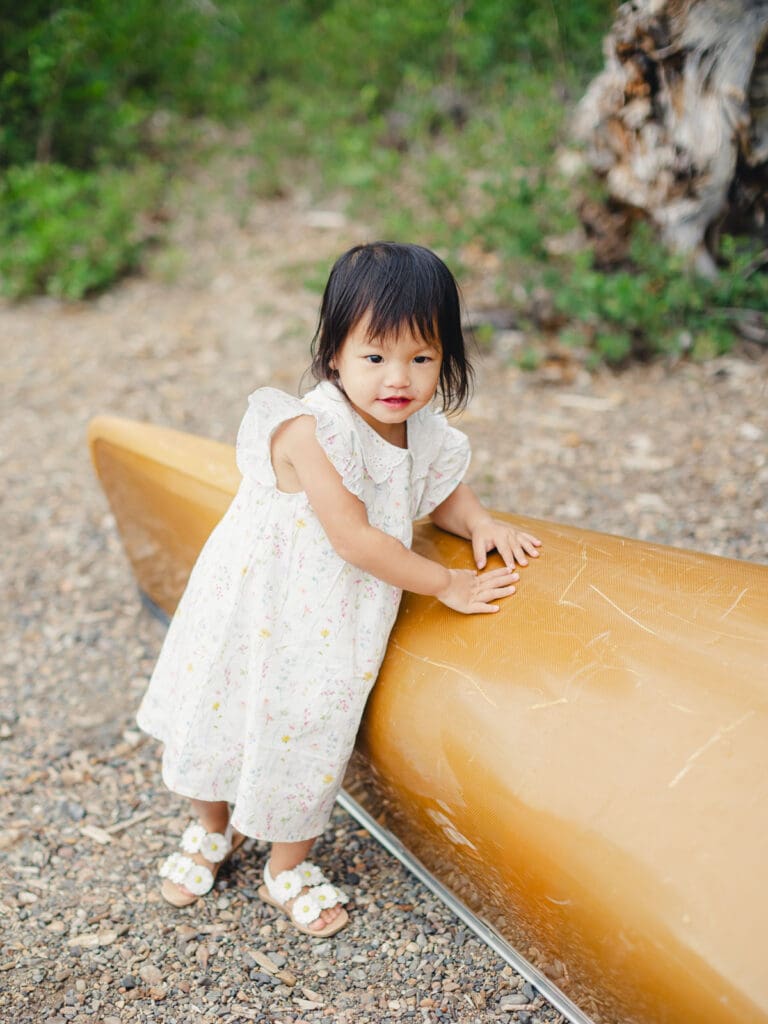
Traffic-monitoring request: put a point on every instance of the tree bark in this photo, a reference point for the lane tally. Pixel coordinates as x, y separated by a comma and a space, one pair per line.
677, 122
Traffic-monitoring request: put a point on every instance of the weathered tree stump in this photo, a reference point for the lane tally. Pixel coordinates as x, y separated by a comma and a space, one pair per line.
677, 122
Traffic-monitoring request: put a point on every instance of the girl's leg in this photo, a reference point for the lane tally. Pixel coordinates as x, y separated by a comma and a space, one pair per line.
213, 815
283, 857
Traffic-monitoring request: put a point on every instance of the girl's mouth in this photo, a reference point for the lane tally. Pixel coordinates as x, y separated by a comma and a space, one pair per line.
395, 403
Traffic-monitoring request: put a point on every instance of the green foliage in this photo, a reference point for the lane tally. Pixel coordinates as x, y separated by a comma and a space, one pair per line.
658, 306
89, 90
440, 120
70, 232
80, 81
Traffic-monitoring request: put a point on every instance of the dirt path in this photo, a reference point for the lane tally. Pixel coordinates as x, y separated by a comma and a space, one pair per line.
671, 455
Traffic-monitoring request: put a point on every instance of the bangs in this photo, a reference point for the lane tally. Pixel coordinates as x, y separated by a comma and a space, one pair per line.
384, 336
408, 293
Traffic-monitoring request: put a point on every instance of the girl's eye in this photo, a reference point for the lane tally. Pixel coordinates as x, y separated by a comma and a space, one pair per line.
423, 359
374, 358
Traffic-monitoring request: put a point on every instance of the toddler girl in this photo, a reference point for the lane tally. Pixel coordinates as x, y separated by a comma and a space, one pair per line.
259, 688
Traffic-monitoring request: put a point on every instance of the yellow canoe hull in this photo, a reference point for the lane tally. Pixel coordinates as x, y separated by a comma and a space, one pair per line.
587, 770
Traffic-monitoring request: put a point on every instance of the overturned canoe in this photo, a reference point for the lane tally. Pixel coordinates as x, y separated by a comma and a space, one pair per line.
586, 770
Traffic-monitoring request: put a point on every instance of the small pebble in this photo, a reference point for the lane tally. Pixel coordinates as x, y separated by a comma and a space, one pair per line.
514, 999
150, 974
262, 978
74, 810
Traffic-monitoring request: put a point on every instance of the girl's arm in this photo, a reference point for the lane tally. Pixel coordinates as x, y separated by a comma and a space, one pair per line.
299, 459
461, 513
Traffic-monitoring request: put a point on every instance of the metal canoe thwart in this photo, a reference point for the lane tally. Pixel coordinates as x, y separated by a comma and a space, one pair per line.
583, 776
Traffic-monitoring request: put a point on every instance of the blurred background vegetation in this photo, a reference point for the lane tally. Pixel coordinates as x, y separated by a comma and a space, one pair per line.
440, 121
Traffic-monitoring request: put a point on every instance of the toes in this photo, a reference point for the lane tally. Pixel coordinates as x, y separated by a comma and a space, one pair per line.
326, 917
320, 922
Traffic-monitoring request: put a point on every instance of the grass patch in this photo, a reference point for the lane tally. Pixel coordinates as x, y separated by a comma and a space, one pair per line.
69, 232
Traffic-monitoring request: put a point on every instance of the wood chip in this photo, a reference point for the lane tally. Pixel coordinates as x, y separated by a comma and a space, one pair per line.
120, 826
591, 403
265, 962
213, 929
99, 835
93, 940
307, 1004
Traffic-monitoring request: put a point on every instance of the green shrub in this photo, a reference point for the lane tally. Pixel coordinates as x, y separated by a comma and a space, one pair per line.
70, 232
659, 306
440, 121
79, 81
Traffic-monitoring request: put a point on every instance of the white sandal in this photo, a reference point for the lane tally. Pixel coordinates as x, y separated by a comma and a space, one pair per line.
309, 893
178, 870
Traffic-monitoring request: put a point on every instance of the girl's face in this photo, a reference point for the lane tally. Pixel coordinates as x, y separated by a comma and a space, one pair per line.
388, 379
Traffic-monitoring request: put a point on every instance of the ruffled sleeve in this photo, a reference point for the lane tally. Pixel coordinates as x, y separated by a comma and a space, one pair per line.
444, 461
267, 409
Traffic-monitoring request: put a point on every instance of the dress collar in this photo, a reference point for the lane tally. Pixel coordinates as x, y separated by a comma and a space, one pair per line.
379, 455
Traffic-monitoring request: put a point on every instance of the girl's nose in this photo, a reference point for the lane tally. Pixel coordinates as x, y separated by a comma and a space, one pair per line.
398, 375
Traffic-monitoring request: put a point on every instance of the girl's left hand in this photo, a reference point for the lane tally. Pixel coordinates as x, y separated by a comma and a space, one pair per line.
511, 544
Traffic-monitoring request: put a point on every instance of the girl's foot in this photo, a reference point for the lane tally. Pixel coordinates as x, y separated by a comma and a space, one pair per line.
308, 898
191, 873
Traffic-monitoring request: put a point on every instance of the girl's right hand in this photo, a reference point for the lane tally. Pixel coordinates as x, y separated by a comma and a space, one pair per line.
471, 592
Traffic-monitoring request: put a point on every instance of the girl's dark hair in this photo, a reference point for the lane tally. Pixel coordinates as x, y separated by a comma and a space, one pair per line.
397, 284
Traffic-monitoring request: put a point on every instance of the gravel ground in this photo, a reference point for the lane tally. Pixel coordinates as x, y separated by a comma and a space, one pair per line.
675, 454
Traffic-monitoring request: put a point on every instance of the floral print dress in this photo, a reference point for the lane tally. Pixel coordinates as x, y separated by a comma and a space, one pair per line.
263, 677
